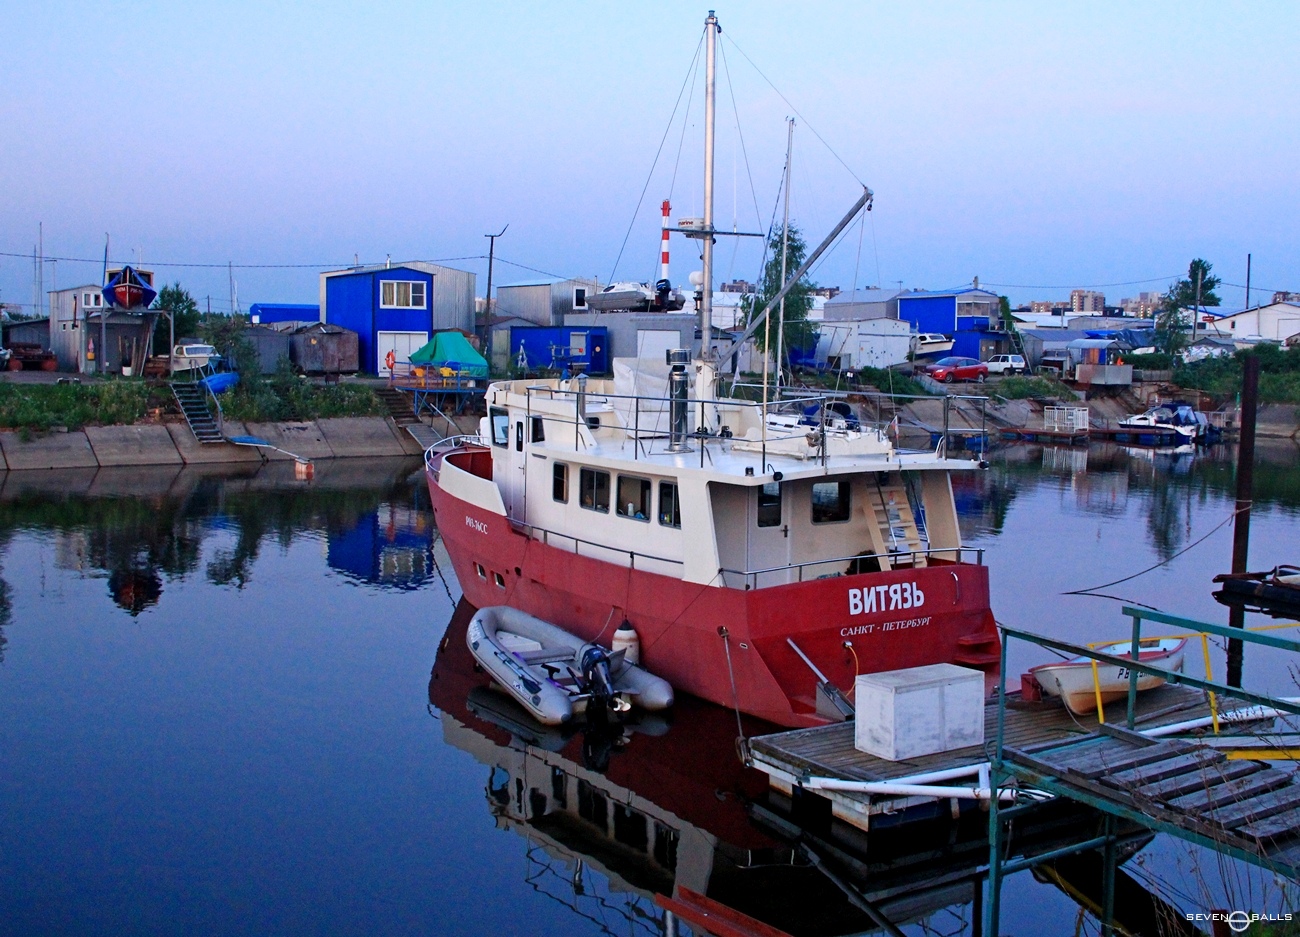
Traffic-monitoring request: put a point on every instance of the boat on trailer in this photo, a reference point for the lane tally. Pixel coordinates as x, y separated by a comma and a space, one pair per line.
763, 558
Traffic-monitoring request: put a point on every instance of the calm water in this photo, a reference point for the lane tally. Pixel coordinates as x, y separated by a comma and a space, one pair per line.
225, 710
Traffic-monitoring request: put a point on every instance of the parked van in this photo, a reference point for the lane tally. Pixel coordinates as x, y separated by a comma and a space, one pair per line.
1007, 364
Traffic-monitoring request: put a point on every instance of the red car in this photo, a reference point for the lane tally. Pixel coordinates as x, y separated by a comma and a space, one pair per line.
957, 369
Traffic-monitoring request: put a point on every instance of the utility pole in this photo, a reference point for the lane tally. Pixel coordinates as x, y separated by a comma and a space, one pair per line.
487, 302
785, 250
1247, 281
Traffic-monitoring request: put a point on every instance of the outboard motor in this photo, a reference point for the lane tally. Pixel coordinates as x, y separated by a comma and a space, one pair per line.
663, 292
595, 662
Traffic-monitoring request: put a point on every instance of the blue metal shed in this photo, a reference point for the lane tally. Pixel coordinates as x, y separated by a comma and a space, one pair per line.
967, 315
283, 312
560, 347
397, 307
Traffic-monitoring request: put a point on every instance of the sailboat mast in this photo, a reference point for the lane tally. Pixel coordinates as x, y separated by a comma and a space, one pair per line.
785, 251
710, 96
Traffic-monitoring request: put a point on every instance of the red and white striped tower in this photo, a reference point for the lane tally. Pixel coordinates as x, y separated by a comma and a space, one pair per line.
663, 257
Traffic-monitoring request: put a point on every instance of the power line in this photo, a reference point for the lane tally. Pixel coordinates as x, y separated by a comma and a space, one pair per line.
317, 266
1083, 286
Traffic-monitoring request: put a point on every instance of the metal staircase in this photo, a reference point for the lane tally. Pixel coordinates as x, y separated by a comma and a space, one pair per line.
400, 407
193, 400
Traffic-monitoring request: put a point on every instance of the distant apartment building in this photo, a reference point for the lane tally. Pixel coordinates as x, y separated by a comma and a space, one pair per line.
1087, 301
1144, 306
1049, 307
826, 292
1281, 296
737, 286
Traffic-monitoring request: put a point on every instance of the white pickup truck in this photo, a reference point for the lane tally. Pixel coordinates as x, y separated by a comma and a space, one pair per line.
1007, 364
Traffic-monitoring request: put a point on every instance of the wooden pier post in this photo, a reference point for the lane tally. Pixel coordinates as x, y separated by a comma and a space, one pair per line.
1245, 494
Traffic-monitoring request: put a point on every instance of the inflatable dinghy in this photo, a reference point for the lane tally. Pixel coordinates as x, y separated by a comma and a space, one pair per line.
555, 675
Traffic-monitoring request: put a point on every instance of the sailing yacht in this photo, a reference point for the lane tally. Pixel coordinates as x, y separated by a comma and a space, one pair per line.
762, 552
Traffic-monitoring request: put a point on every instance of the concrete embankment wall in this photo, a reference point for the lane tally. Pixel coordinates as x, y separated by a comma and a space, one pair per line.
173, 444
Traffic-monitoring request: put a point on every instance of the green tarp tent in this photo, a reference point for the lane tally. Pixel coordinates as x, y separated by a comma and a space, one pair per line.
452, 350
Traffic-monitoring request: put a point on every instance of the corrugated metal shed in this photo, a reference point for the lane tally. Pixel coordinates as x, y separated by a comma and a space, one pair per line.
860, 305
544, 302
271, 346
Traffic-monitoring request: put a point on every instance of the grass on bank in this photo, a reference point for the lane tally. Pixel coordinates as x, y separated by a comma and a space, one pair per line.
41, 407
286, 396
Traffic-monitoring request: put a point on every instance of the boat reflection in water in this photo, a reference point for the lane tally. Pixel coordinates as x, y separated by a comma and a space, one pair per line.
678, 828
390, 546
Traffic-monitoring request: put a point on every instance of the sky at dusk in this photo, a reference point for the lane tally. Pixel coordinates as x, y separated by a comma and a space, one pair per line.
1036, 146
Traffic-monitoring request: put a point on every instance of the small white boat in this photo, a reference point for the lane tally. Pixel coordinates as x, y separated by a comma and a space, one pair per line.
555, 675
929, 344
1073, 682
638, 297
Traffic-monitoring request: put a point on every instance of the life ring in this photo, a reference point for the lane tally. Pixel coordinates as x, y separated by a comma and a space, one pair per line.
390, 360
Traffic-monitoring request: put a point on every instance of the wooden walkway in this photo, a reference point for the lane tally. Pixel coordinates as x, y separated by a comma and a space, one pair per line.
1242, 804
828, 751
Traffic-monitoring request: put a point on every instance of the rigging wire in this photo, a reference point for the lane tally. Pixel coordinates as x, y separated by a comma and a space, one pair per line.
691, 71
1092, 590
857, 262
758, 215
830, 148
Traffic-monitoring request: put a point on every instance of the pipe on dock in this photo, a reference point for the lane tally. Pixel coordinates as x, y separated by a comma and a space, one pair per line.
893, 789
1247, 714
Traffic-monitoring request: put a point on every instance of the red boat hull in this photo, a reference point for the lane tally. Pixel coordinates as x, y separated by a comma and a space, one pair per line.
682, 624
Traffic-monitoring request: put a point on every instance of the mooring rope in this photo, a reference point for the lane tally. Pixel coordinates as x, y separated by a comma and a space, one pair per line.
742, 745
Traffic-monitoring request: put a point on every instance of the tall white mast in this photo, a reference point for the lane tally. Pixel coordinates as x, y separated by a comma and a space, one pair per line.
785, 250
710, 95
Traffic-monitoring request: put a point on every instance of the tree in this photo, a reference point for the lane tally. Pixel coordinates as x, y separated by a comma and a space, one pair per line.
177, 301
799, 331
1180, 297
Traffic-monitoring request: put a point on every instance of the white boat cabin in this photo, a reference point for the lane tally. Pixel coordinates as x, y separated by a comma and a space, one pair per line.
597, 469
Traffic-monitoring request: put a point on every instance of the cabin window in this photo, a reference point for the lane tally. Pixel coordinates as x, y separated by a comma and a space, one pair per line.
593, 490
538, 433
560, 482
482, 573
519, 436
499, 580
401, 294
769, 505
830, 502
670, 506
634, 497
559, 788
500, 427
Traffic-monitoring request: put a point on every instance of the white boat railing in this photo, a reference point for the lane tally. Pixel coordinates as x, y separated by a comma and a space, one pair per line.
900, 559
564, 540
448, 443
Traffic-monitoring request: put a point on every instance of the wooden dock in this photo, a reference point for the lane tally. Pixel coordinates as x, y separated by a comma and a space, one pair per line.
1027, 434
1241, 804
789, 758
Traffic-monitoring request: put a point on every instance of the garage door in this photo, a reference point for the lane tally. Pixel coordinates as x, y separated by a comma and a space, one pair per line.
401, 344
652, 343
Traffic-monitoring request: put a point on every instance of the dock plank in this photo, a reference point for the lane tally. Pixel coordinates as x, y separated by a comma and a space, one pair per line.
1276, 801
1190, 763
1215, 773
1221, 795
1136, 756
1280, 826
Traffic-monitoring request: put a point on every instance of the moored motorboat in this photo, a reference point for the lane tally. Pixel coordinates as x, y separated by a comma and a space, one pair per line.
1074, 683
764, 553
555, 675
1278, 588
930, 345
1177, 417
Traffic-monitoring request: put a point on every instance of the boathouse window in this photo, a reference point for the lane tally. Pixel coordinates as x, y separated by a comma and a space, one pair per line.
538, 431
579, 298
634, 497
593, 490
401, 294
769, 505
560, 482
500, 427
830, 502
670, 508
